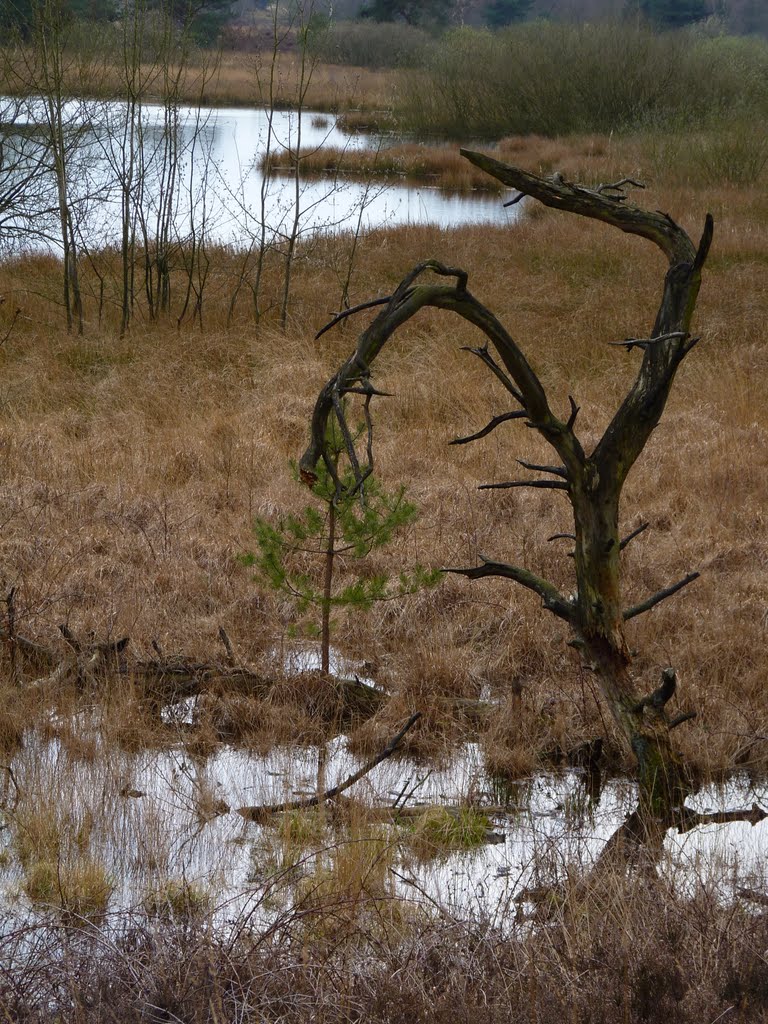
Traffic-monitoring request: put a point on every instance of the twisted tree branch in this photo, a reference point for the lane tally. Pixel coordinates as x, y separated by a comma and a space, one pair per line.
659, 596
550, 596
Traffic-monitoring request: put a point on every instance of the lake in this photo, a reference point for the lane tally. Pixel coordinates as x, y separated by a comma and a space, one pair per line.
197, 173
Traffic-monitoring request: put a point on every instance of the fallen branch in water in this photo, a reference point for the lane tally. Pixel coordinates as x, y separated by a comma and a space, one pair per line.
266, 810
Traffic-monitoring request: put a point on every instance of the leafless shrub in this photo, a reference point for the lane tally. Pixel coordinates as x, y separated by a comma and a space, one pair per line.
632, 953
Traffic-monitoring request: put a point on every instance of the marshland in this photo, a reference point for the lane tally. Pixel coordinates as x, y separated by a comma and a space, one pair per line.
186, 673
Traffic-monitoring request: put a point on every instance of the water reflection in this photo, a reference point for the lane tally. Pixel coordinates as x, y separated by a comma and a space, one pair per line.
200, 168
164, 814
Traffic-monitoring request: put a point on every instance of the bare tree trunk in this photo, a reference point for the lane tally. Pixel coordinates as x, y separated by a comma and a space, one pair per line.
128, 159
592, 482
302, 15
50, 53
269, 99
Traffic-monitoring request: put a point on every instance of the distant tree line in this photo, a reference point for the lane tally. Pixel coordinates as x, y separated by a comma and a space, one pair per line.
203, 18
208, 17
742, 16
17, 17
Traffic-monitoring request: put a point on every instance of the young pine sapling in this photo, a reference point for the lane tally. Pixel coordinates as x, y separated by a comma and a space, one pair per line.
300, 555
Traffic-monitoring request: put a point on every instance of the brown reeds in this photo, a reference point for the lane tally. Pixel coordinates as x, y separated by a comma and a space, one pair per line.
231, 79
434, 165
441, 165
359, 952
331, 88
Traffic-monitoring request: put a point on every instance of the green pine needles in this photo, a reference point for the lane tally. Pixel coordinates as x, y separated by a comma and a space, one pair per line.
300, 555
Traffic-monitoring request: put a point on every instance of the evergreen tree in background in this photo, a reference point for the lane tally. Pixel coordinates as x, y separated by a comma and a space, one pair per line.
202, 18
17, 17
93, 10
670, 13
504, 12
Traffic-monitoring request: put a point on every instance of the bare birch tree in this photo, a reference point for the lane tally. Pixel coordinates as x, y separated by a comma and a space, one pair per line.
47, 69
27, 199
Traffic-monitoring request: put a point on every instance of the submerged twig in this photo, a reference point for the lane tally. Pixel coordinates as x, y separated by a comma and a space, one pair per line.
266, 810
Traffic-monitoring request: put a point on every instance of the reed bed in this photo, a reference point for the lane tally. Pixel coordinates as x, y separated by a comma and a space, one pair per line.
227, 79
332, 87
732, 156
440, 166
627, 955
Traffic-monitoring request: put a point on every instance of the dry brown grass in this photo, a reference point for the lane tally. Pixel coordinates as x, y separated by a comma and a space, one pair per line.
330, 87
441, 164
131, 469
437, 165
235, 79
630, 953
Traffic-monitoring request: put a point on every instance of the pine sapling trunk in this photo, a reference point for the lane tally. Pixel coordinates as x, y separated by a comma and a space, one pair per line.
330, 554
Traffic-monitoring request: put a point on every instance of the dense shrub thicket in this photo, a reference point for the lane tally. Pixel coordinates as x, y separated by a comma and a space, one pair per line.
372, 44
556, 79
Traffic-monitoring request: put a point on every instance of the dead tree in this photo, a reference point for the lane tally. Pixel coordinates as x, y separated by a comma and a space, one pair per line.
592, 481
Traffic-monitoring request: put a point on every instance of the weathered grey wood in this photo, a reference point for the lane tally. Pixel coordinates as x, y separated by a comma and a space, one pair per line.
591, 481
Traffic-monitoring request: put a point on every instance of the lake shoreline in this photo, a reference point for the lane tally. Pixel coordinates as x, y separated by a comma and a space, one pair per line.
216, 155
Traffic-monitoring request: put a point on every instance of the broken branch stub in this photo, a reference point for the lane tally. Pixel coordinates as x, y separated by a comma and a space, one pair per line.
592, 482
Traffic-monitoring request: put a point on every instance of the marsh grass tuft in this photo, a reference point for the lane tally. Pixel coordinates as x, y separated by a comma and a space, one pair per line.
351, 888
178, 900
77, 889
440, 831
38, 834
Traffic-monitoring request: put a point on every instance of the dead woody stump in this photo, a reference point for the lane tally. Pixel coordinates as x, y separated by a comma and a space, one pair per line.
591, 481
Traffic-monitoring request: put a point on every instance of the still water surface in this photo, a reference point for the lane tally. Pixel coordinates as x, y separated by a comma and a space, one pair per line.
217, 191
165, 815
157, 815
